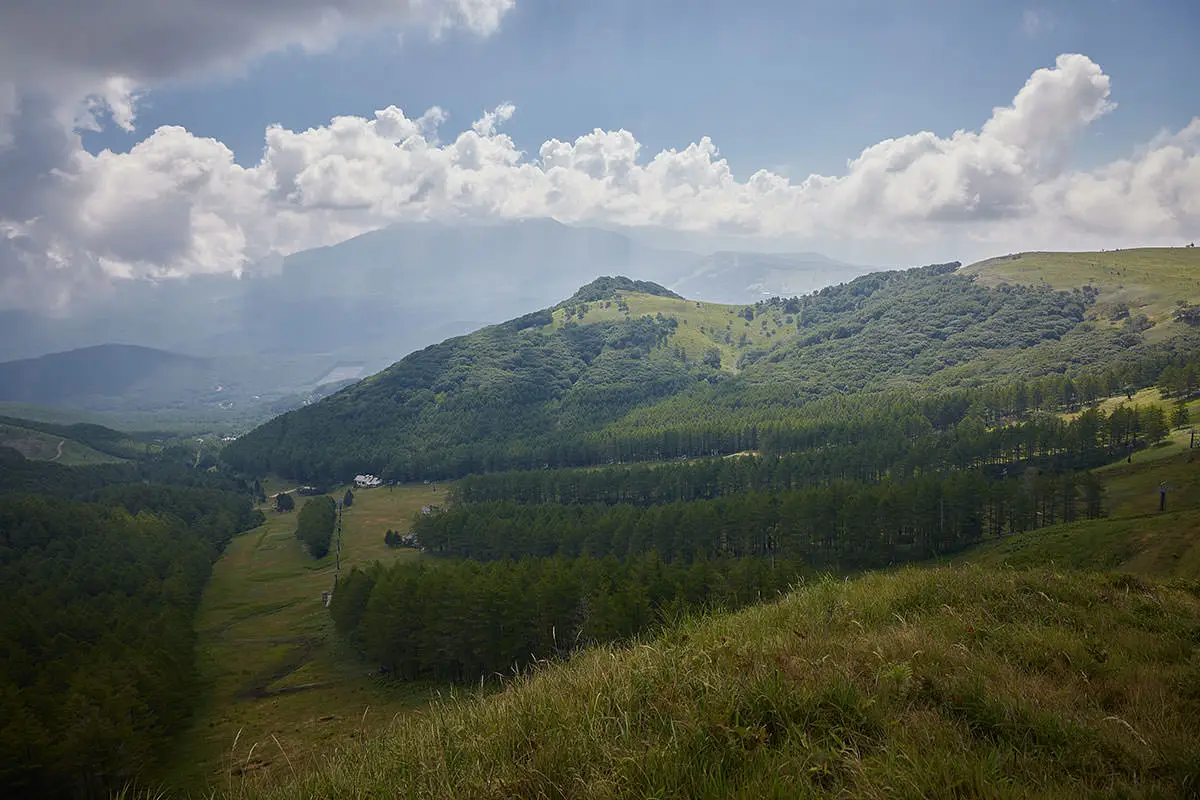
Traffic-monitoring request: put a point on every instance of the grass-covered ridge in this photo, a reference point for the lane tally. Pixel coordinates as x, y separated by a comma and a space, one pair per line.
942, 682
607, 288
1147, 280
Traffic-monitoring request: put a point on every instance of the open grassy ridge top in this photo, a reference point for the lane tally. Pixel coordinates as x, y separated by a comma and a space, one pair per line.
1148, 280
945, 682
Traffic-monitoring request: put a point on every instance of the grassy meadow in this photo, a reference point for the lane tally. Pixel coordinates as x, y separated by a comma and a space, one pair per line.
1148, 280
280, 690
1135, 537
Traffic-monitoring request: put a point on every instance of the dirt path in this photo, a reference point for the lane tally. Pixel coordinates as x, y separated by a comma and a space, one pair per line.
60, 447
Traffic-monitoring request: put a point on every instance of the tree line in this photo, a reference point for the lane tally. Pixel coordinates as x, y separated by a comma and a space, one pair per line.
899, 448
840, 524
463, 621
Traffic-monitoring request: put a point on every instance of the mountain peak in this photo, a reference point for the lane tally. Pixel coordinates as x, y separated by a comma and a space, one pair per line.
605, 287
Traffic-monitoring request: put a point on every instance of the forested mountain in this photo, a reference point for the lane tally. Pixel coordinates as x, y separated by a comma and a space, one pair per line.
619, 374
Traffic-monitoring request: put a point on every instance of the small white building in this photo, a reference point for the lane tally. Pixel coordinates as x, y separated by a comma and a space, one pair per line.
367, 481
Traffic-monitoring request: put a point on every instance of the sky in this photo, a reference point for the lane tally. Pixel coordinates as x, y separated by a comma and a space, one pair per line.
166, 138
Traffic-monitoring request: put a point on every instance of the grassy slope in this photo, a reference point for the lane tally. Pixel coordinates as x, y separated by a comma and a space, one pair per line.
1151, 396
262, 628
41, 446
1136, 537
944, 682
997, 676
1149, 280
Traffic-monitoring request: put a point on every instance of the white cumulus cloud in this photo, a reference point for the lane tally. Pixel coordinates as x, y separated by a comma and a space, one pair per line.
177, 204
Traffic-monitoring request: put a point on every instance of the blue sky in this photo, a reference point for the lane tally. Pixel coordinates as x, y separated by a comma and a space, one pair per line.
797, 87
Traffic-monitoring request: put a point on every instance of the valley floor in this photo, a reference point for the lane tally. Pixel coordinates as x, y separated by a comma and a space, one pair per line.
280, 689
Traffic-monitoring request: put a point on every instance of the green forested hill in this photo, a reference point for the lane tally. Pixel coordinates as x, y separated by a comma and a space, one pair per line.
613, 363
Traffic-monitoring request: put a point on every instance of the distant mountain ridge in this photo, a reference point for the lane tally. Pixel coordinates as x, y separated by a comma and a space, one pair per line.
108, 370
140, 385
366, 301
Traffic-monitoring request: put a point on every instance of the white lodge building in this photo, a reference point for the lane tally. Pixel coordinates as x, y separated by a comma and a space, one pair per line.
367, 481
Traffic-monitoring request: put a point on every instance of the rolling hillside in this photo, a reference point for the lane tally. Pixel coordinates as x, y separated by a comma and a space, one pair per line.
104, 444
1057, 662
1150, 280
525, 392
1135, 536
916, 414
949, 682
41, 446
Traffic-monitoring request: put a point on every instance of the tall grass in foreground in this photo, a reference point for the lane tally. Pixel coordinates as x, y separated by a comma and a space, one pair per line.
948, 682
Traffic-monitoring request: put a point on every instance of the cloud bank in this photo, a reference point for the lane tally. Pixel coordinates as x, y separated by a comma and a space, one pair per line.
71, 65
177, 204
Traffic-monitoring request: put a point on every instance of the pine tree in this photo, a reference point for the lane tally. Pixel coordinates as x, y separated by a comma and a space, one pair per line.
1154, 423
1180, 417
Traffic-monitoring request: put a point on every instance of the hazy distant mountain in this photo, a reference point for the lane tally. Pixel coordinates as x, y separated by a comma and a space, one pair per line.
374, 297
110, 370
739, 277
